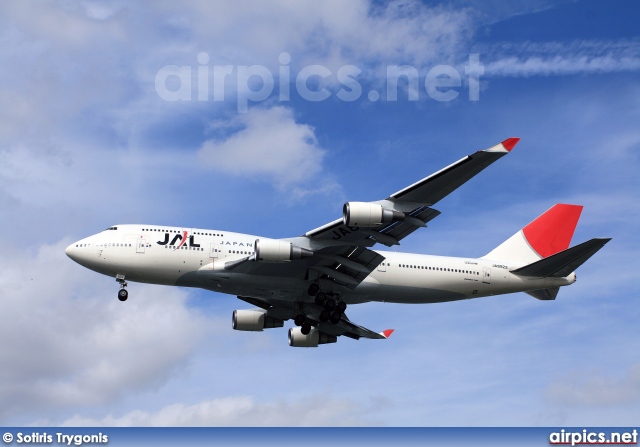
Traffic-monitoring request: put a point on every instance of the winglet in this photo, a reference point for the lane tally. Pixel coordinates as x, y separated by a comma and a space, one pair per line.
510, 143
504, 147
387, 333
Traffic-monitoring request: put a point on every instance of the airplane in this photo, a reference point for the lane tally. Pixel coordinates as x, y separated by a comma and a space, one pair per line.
311, 279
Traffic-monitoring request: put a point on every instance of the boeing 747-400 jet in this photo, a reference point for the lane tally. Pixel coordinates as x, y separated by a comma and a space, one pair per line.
312, 278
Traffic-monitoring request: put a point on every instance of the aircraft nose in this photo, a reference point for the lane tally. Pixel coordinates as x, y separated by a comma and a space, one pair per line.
70, 251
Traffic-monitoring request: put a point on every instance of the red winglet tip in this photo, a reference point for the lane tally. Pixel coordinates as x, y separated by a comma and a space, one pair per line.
387, 333
510, 143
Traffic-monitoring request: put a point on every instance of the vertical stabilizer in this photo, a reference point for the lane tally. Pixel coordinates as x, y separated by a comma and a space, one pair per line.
545, 236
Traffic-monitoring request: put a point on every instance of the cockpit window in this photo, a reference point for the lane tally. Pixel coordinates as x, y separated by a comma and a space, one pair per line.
111, 228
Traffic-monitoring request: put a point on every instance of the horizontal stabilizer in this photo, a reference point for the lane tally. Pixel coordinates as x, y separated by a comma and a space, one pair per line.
564, 263
544, 294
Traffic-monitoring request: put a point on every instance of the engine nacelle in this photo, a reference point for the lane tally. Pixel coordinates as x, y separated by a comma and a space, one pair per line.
254, 320
298, 340
272, 250
363, 214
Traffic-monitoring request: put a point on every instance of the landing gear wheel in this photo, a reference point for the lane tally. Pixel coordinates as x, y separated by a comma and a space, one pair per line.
341, 307
314, 288
305, 329
324, 316
299, 320
330, 304
320, 299
123, 294
335, 318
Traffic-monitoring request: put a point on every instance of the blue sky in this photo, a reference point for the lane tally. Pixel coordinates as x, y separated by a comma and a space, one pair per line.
87, 141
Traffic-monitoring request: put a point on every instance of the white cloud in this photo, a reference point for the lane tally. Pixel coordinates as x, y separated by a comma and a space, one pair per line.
594, 389
356, 32
78, 98
560, 58
269, 144
240, 411
68, 342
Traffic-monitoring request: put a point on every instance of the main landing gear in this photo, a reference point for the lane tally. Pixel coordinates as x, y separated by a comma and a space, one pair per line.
122, 293
314, 288
304, 323
334, 307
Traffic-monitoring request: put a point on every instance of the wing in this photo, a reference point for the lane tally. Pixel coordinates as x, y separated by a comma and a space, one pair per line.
340, 251
345, 265
285, 310
414, 201
340, 248
387, 234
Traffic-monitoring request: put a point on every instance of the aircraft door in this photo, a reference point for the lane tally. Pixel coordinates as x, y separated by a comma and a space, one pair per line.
140, 245
486, 275
382, 267
214, 250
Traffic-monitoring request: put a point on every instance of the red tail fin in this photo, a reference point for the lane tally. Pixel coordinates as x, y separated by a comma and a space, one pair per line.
552, 231
547, 235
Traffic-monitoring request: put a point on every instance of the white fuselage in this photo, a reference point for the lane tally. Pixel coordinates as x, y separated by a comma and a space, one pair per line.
192, 257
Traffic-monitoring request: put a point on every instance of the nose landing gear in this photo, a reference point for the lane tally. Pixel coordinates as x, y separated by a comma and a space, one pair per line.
123, 294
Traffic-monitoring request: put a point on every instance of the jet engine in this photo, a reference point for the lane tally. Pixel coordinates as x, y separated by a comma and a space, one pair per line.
298, 340
272, 250
363, 214
254, 320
